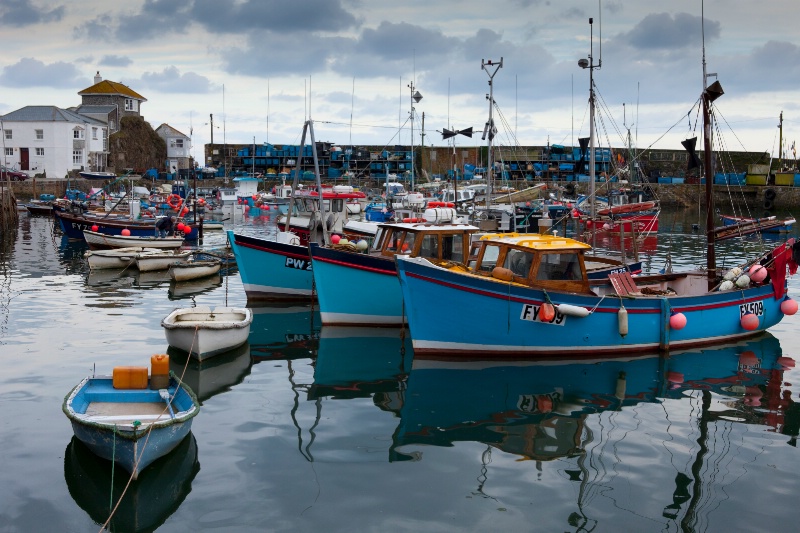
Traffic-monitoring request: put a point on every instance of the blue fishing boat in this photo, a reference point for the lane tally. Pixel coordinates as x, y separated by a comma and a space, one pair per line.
737, 226
547, 306
131, 426
73, 225
271, 269
337, 269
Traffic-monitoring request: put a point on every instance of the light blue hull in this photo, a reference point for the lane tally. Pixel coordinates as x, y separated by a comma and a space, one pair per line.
114, 437
271, 270
356, 289
483, 316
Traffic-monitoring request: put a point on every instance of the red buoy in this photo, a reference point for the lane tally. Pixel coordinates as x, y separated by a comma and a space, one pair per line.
749, 322
126, 232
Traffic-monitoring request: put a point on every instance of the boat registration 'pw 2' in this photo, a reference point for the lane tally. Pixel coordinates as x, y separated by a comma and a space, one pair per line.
300, 264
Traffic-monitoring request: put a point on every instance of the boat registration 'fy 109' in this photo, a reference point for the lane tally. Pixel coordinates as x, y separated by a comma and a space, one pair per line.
531, 312
756, 308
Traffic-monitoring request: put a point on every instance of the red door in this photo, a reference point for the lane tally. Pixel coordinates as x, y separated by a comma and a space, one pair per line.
24, 160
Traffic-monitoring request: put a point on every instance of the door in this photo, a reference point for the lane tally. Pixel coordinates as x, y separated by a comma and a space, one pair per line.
24, 159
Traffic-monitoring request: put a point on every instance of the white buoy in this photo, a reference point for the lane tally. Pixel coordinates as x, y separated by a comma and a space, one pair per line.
622, 316
726, 285
743, 281
572, 310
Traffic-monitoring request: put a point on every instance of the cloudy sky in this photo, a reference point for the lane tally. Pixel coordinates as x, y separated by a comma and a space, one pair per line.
260, 67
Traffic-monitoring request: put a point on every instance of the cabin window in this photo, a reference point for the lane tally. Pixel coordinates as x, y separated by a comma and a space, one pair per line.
453, 247
489, 260
559, 267
519, 262
429, 247
402, 242
337, 206
377, 242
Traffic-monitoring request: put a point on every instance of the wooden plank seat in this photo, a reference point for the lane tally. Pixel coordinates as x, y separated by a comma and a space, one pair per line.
623, 284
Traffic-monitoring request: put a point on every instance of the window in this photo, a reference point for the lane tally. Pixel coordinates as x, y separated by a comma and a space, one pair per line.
430, 247
489, 259
94, 133
559, 267
112, 125
453, 247
130, 104
9, 151
8, 134
519, 262
77, 133
77, 157
39, 135
178, 143
40, 152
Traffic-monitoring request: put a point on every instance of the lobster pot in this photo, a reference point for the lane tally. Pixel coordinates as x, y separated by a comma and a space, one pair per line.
135, 207
440, 214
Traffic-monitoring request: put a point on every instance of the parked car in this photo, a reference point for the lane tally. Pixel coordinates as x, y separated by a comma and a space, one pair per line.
11, 174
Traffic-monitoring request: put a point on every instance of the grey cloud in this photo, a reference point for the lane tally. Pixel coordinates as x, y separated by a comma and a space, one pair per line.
115, 61
275, 15
669, 32
170, 80
29, 72
26, 13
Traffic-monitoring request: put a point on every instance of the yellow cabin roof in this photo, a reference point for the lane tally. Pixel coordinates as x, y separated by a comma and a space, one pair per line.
537, 241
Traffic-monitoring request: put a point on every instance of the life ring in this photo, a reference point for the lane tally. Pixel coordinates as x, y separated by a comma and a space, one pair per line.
413, 220
768, 204
435, 204
769, 194
174, 201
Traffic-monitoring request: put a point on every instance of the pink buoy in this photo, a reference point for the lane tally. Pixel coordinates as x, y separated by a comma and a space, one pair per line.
749, 322
758, 273
677, 321
788, 306
335, 239
126, 232
95, 227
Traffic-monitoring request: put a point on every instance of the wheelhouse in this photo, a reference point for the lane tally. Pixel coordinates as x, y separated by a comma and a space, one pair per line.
449, 242
541, 261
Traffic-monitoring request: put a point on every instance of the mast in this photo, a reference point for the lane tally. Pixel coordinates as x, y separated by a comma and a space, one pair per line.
591, 65
415, 98
710, 93
489, 130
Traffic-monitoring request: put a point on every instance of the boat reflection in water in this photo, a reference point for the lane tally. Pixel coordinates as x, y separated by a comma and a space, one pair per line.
584, 414
182, 290
356, 362
537, 409
214, 375
283, 331
148, 501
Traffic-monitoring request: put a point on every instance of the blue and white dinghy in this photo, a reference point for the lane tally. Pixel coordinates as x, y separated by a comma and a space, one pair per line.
123, 420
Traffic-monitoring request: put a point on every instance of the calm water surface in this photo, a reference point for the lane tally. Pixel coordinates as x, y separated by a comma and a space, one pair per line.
341, 429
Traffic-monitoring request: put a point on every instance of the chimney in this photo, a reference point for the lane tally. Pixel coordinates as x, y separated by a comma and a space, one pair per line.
97, 78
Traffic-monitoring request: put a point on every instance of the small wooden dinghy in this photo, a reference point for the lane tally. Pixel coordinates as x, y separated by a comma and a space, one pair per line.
204, 332
114, 258
150, 260
123, 420
101, 241
187, 270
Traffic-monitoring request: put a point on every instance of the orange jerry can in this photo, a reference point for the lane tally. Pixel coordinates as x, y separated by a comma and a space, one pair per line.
159, 371
130, 377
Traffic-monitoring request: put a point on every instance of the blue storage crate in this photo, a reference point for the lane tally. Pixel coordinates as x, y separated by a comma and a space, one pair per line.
665, 180
677, 181
797, 180
737, 179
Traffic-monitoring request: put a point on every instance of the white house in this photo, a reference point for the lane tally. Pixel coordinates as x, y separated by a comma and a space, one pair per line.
39, 139
179, 148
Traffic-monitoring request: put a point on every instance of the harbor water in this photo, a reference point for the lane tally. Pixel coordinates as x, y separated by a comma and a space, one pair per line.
310, 428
